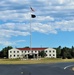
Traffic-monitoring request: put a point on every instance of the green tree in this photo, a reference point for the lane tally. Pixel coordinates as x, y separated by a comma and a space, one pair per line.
58, 51
27, 47
66, 53
72, 51
4, 51
42, 54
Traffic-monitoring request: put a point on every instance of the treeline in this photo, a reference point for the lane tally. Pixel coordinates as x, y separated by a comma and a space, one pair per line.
65, 52
4, 52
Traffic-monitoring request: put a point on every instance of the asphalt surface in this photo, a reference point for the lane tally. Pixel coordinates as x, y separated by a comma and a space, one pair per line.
37, 69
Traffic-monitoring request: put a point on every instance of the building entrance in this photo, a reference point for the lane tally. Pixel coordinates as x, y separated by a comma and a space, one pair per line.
30, 56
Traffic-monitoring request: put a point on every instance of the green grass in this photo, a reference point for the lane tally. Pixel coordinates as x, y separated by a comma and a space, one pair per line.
44, 60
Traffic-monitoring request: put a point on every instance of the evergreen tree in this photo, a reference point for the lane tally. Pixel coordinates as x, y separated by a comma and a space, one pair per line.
72, 51
58, 52
66, 53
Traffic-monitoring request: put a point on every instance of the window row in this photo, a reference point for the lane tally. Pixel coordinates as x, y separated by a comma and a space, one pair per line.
49, 51
50, 55
22, 51
14, 51
29, 51
14, 55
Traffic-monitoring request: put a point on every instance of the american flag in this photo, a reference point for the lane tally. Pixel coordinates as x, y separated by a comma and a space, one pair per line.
31, 9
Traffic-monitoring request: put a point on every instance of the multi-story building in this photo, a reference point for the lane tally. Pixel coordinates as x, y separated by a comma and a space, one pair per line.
31, 52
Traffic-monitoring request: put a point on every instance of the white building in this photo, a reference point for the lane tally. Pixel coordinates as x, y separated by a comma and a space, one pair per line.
31, 53
50, 53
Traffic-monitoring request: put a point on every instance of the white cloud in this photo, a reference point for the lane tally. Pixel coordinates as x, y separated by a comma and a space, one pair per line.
10, 33
61, 1
20, 41
13, 15
5, 43
45, 18
64, 1
51, 16
10, 43
46, 2
43, 28
65, 25
21, 29
13, 29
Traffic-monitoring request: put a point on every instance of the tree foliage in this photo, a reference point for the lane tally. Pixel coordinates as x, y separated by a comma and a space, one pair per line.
4, 52
65, 52
72, 51
58, 51
42, 54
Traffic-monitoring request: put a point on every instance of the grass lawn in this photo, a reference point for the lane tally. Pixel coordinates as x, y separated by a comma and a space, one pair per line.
34, 61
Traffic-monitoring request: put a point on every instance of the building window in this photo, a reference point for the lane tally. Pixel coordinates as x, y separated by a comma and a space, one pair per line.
10, 51
53, 51
17, 51
14, 55
14, 51
35, 51
10, 55
17, 55
25, 51
32, 51
46, 51
49, 51
46, 55
53, 54
49, 54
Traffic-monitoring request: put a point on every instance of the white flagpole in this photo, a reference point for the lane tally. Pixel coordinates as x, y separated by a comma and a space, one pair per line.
32, 10
30, 32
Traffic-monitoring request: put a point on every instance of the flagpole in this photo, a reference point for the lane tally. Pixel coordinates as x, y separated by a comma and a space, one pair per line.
31, 16
30, 33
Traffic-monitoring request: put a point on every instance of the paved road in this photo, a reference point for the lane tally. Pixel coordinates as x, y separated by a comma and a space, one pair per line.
37, 69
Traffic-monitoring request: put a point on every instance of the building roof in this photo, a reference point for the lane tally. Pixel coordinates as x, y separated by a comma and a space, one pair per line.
40, 49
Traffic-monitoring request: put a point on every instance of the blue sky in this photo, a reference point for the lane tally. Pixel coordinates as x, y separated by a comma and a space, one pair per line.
52, 27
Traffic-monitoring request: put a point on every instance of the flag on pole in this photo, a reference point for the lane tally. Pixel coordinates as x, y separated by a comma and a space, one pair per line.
33, 16
32, 9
